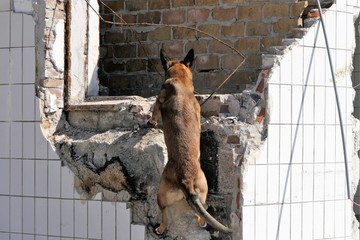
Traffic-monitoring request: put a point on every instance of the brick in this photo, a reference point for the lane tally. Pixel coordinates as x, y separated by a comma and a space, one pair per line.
224, 14
136, 5
148, 50
159, 4
236, 29
114, 37
218, 47
135, 65
132, 36
154, 65
258, 29
230, 61
114, 5
234, 1
199, 46
253, 61
125, 51
182, 3
174, 48
128, 18
285, 25
174, 16
250, 12
110, 66
206, 2
159, 34
276, 10
248, 44
267, 42
213, 29
149, 17
197, 15
298, 8
206, 62
183, 33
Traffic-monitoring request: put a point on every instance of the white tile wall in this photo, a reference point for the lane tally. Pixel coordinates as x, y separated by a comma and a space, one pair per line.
305, 176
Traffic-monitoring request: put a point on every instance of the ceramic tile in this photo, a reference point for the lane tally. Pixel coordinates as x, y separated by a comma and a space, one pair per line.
297, 144
297, 105
41, 147
16, 30
308, 182
274, 98
296, 183
5, 5
339, 218
67, 186
295, 221
319, 178
329, 181
272, 221
319, 105
5, 29
41, 178
285, 144
80, 212
29, 67
274, 143
330, 146
28, 140
318, 220
16, 103
16, 236
28, 177
15, 214
108, 221
4, 65
5, 176
54, 213
329, 219
249, 222
261, 184
249, 182
308, 108
28, 30
285, 104
308, 143
297, 65
41, 215
28, 237
309, 66
28, 219
137, 232
340, 181
285, 69
4, 213
284, 183
16, 177
319, 68
273, 184
307, 220
28, 103
5, 100
67, 218
94, 219
260, 222
122, 221
4, 140
54, 180
284, 224
16, 64
16, 144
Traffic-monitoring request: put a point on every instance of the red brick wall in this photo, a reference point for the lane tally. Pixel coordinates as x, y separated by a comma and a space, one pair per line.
130, 63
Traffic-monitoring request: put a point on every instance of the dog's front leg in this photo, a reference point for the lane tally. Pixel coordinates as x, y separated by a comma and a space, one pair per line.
156, 112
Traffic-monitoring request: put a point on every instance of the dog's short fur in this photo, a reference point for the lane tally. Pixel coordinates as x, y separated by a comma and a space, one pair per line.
180, 113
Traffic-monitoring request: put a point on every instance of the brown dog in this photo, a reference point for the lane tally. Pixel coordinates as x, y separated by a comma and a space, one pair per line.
180, 113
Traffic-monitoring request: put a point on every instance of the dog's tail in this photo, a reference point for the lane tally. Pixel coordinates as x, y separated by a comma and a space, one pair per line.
196, 205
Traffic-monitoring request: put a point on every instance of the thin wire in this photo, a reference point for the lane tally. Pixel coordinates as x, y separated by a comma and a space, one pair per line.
337, 104
124, 23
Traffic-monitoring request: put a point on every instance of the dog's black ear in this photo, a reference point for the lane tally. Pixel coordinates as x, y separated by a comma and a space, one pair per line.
164, 60
188, 60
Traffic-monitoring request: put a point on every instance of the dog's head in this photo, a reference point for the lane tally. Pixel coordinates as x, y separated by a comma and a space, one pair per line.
176, 68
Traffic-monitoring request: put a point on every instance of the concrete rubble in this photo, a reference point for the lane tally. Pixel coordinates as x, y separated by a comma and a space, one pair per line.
124, 161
